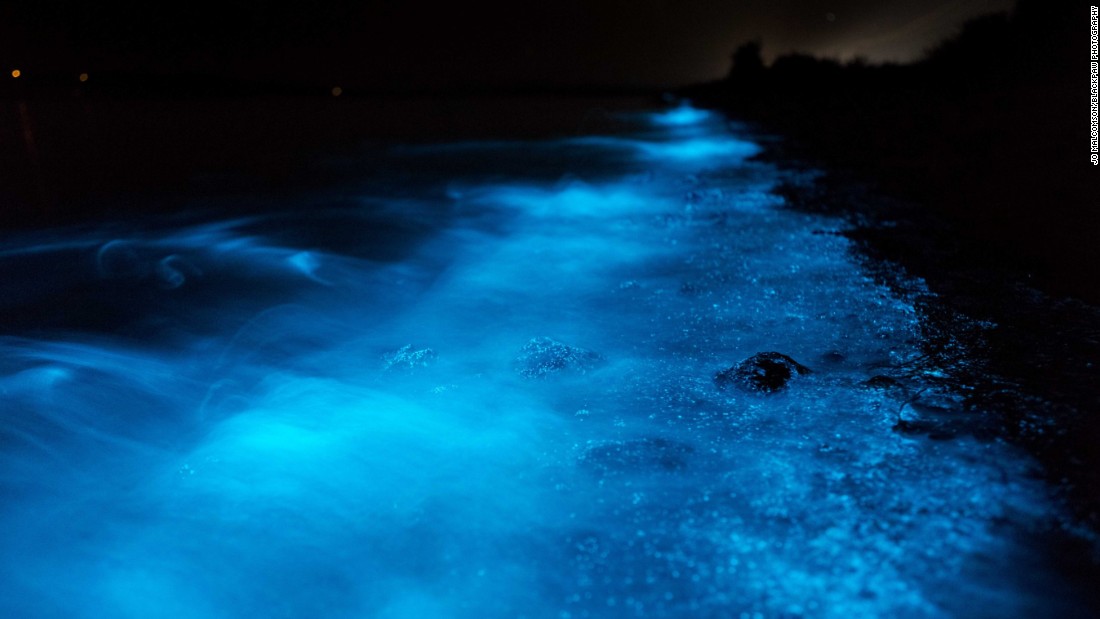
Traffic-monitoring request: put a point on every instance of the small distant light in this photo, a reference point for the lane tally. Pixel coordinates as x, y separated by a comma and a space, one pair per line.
83, 77
337, 91
16, 73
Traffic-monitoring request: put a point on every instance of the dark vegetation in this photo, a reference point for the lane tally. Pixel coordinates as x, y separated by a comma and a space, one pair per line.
968, 169
990, 131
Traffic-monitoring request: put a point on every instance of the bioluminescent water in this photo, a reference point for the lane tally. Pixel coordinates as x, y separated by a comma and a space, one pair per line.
484, 386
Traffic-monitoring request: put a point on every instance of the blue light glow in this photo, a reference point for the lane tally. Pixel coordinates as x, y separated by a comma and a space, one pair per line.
682, 115
248, 419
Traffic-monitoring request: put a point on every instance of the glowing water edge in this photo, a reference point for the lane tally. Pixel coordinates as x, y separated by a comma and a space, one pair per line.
487, 389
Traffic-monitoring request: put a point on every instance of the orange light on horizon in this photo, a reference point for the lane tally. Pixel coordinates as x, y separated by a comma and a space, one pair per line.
337, 91
83, 77
16, 73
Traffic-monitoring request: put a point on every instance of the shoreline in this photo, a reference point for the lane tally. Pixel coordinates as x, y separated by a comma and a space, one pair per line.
1022, 360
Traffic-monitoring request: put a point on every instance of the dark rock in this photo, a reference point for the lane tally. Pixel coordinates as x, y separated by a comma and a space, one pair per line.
764, 372
646, 454
833, 356
936, 431
543, 355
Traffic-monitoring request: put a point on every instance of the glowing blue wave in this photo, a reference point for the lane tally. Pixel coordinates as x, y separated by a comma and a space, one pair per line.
336, 414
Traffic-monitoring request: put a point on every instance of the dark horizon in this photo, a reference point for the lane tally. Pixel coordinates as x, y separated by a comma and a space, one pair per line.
421, 47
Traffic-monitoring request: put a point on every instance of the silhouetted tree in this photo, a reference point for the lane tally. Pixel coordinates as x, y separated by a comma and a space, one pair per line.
979, 46
747, 60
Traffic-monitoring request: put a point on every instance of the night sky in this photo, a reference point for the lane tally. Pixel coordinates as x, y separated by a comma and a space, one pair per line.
416, 44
